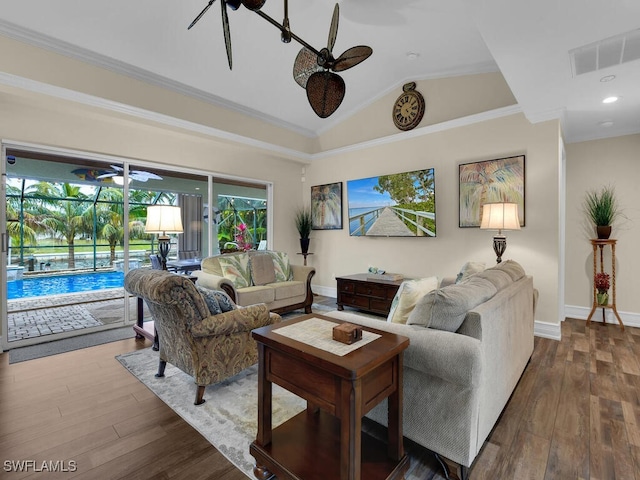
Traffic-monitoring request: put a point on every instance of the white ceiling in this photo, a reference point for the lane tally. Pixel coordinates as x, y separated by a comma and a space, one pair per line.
528, 41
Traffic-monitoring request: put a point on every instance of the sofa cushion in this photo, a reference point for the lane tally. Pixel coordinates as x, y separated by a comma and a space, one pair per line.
468, 269
284, 290
282, 266
262, 269
408, 294
236, 269
211, 300
255, 294
446, 308
499, 278
514, 269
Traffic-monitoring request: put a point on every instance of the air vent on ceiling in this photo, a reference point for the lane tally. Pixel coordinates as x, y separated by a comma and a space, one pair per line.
611, 51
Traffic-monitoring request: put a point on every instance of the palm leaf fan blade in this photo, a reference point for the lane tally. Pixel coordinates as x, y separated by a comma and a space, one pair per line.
325, 92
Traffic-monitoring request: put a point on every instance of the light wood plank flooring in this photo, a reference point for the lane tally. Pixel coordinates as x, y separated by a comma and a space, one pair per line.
574, 415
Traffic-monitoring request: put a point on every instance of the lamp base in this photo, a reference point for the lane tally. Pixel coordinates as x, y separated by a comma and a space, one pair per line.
499, 246
164, 245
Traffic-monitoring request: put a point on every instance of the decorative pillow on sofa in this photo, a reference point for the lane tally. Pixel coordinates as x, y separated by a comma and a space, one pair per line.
446, 308
514, 269
262, 269
210, 299
407, 296
468, 269
499, 278
224, 300
284, 273
236, 269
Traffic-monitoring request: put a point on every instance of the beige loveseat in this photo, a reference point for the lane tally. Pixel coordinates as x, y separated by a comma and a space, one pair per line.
259, 277
458, 379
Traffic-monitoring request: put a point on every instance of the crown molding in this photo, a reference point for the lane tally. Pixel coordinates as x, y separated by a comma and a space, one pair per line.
75, 52
422, 131
289, 153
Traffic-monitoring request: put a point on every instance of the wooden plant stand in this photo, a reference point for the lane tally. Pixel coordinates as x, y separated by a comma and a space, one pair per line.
597, 243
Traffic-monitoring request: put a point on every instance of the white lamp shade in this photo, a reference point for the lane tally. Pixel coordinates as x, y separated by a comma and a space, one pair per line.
163, 219
500, 216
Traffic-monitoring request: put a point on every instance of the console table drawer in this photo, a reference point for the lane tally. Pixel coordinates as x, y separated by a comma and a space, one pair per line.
370, 290
347, 287
356, 301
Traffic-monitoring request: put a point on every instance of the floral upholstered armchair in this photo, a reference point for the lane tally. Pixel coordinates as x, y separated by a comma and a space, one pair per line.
209, 347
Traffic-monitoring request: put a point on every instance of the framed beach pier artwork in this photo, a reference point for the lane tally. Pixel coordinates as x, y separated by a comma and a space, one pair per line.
326, 206
489, 181
397, 205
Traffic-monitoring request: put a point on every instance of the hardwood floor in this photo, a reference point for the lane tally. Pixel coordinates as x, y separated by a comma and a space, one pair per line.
574, 415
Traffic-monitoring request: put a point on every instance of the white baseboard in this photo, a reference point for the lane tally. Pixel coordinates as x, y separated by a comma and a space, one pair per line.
629, 319
540, 329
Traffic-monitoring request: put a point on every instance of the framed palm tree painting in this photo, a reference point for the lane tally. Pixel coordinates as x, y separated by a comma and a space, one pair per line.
326, 206
500, 180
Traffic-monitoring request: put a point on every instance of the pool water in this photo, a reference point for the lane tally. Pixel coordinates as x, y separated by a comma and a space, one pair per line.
58, 284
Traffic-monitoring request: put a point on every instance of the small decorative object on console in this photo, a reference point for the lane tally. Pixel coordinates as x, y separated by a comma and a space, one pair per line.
347, 333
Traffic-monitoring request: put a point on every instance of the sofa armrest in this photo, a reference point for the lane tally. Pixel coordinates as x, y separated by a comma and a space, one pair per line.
242, 319
302, 273
215, 282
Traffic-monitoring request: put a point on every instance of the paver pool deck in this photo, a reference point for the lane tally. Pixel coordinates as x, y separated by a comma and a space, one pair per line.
40, 316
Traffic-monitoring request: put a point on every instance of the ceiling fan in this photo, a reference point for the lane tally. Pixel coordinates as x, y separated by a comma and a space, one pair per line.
313, 69
117, 175
234, 4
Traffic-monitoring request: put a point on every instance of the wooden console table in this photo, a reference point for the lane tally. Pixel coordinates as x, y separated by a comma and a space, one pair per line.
326, 441
373, 296
597, 243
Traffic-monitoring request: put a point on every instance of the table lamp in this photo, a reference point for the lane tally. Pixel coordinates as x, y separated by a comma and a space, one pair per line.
163, 220
500, 216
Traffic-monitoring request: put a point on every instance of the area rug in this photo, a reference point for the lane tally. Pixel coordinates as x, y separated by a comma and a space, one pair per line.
228, 418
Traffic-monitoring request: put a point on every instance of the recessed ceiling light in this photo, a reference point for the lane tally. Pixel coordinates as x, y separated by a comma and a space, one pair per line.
608, 78
606, 123
610, 100
412, 55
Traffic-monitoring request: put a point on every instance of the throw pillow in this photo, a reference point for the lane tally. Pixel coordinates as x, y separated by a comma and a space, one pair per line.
281, 264
499, 278
210, 299
468, 269
262, 269
236, 269
446, 308
407, 296
514, 269
224, 300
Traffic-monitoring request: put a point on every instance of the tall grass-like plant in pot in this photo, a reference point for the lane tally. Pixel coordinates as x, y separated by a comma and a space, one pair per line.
602, 209
304, 224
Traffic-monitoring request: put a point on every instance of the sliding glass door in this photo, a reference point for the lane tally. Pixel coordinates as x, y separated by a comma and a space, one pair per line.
75, 223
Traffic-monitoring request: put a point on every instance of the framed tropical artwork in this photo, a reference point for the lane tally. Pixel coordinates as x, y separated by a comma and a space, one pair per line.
500, 180
326, 206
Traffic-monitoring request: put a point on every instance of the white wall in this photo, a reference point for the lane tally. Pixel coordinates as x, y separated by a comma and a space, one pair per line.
535, 246
590, 166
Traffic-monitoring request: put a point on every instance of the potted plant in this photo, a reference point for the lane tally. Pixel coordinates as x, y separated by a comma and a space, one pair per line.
304, 225
602, 209
601, 283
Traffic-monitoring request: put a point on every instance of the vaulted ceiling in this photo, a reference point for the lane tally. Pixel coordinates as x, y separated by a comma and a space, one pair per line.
530, 43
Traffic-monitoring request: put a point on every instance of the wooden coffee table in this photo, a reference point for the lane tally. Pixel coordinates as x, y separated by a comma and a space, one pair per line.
326, 440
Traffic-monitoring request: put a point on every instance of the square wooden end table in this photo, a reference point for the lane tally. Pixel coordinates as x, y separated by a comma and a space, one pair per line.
326, 440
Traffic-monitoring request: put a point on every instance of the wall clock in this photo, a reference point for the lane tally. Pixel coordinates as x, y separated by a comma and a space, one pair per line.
408, 108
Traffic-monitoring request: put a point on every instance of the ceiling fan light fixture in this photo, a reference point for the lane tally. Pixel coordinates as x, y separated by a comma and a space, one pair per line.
412, 56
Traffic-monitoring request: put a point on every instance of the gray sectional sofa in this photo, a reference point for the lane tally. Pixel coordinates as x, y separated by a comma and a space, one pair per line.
470, 343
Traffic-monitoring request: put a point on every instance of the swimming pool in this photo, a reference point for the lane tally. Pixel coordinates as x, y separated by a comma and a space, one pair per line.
40, 286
